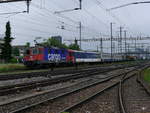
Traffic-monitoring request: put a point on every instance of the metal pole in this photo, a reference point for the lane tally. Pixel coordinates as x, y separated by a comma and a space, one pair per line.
135, 45
80, 4
101, 45
111, 38
125, 36
97, 48
121, 40
28, 3
80, 31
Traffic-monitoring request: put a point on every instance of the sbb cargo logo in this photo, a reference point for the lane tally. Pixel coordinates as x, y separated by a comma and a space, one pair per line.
54, 57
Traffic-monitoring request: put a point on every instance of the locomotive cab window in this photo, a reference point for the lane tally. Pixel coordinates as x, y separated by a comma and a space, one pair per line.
40, 51
34, 51
27, 52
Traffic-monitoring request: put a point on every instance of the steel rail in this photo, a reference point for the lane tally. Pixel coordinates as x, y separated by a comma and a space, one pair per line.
26, 86
52, 73
121, 101
94, 95
23, 108
61, 95
87, 99
98, 93
120, 91
142, 83
67, 93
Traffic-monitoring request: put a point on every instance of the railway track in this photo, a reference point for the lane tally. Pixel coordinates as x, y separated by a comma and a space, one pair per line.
27, 103
13, 88
19, 105
76, 107
56, 72
134, 98
9, 89
44, 73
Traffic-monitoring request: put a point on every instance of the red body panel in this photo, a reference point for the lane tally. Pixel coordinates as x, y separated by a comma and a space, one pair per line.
36, 57
70, 57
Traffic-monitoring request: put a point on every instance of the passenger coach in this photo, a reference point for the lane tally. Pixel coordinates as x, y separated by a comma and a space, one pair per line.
86, 57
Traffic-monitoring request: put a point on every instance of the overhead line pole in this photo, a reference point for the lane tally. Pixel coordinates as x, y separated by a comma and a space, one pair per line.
80, 25
101, 45
120, 39
80, 32
111, 35
125, 36
80, 4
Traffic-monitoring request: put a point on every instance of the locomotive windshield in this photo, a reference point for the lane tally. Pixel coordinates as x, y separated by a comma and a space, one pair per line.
27, 52
35, 51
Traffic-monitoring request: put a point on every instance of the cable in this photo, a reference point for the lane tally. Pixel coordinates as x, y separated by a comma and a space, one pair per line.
133, 3
62, 16
110, 13
32, 21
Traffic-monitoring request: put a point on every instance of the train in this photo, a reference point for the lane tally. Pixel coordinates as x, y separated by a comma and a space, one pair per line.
56, 56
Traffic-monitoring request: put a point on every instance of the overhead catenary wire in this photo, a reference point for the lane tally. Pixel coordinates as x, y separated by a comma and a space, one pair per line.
62, 16
114, 16
86, 11
94, 17
34, 21
43, 16
35, 29
128, 4
47, 15
108, 12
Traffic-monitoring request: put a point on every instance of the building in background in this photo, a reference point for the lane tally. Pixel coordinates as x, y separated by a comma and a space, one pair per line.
59, 38
21, 49
1, 42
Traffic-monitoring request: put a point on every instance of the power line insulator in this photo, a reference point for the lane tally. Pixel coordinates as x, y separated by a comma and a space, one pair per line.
62, 27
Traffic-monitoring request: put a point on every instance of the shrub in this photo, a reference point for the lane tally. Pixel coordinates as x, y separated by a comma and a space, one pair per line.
11, 67
13, 60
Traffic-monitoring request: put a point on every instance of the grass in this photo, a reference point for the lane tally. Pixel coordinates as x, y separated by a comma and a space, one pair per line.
20, 68
11, 67
147, 75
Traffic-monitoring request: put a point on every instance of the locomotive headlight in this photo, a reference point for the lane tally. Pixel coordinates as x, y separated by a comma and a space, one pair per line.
31, 57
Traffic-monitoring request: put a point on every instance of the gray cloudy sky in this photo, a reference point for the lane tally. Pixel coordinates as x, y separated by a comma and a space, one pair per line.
41, 21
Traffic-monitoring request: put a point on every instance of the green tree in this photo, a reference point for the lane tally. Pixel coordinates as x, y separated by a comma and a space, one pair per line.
28, 44
74, 46
56, 43
15, 52
53, 42
7, 48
